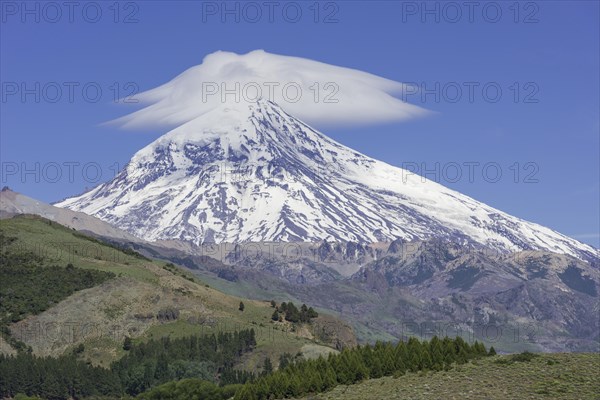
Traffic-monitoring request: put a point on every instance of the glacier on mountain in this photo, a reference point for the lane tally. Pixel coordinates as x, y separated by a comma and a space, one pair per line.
250, 172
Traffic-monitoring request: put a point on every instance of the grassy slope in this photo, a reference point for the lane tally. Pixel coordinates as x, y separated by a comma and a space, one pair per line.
344, 293
101, 316
550, 376
393, 317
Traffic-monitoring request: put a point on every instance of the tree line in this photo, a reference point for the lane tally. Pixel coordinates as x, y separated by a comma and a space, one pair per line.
202, 367
298, 377
209, 358
51, 378
363, 362
291, 313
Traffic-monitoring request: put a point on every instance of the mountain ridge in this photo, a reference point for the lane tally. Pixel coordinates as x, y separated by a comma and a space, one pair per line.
380, 286
250, 172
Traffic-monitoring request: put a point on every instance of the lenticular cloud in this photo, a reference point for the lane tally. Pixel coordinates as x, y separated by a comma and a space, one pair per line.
320, 94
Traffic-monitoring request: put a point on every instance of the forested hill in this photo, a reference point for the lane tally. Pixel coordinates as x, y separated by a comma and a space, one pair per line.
72, 304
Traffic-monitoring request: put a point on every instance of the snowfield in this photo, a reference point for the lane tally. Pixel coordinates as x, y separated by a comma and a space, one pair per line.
250, 172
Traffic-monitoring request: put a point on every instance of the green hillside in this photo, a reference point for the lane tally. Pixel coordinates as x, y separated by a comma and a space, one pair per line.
547, 376
65, 294
97, 319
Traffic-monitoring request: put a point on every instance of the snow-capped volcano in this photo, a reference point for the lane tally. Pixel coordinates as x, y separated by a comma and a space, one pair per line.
251, 172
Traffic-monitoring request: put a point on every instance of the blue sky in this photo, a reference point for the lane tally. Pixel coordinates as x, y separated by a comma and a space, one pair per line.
546, 52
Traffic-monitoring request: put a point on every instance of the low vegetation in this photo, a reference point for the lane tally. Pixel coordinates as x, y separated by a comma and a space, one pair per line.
190, 389
544, 376
30, 286
360, 363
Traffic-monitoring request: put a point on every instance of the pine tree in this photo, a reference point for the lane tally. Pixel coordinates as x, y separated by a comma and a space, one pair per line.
329, 378
247, 392
294, 388
161, 372
285, 359
401, 356
462, 356
343, 370
51, 387
448, 361
314, 381
414, 353
292, 314
376, 370
358, 369
262, 389
278, 385
267, 366
492, 351
437, 356
426, 362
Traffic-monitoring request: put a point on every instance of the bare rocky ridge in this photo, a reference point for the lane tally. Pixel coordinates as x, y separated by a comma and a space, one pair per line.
13, 203
531, 300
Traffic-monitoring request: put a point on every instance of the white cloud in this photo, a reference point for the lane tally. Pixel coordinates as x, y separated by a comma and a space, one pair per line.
320, 94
